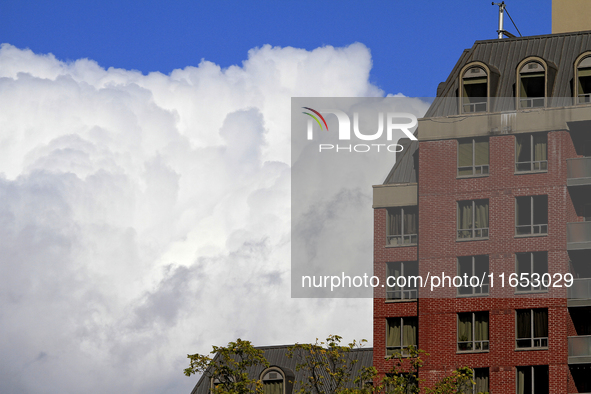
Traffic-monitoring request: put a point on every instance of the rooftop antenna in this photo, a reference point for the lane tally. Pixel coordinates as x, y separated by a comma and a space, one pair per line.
501, 31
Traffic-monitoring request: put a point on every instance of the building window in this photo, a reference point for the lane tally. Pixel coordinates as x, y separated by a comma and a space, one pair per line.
532, 271
473, 157
531, 215
473, 332
402, 280
470, 266
474, 90
480, 378
402, 226
473, 219
583, 81
531, 152
532, 328
532, 86
533, 380
401, 332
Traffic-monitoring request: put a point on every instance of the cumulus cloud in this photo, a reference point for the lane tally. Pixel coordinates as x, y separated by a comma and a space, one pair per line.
145, 217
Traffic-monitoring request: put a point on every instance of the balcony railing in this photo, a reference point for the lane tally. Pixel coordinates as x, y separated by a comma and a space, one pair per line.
580, 290
578, 171
578, 235
579, 349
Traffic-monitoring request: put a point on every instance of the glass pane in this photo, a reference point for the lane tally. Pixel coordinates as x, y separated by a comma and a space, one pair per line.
523, 148
464, 215
524, 325
465, 154
540, 209
480, 152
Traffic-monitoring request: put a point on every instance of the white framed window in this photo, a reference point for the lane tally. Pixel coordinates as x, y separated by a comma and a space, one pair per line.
531, 152
402, 226
531, 215
531, 328
473, 157
404, 288
401, 332
472, 219
473, 266
473, 332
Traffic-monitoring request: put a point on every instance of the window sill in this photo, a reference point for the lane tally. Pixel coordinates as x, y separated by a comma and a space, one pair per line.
530, 172
400, 246
471, 239
397, 301
472, 295
530, 235
472, 176
531, 292
471, 351
528, 349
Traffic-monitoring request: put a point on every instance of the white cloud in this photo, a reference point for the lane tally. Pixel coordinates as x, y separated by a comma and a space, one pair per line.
145, 217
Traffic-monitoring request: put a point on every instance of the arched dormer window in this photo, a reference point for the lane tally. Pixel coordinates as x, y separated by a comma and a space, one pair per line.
474, 88
531, 84
274, 382
583, 79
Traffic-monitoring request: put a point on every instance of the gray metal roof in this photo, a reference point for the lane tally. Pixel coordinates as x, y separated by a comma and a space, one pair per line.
503, 56
277, 356
405, 169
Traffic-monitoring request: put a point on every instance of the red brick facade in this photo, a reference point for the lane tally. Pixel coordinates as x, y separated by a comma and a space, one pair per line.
439, 190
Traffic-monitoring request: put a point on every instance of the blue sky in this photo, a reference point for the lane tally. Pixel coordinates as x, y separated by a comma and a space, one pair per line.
414, 44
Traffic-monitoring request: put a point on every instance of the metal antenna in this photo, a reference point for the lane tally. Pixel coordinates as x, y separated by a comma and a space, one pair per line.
502, 31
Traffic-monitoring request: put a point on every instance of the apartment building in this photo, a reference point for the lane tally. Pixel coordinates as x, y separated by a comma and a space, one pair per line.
498, 187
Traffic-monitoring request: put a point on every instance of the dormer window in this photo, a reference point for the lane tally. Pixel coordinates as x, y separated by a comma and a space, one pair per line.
474, 90
273, 381
532, 85
583, 81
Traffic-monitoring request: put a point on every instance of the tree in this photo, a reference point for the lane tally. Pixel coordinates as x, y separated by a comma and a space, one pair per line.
328, 367
228, 368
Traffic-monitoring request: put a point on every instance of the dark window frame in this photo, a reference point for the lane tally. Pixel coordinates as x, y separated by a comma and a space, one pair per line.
472, 232
521, 230
532, 164
394, 350
473, 346
407, 293
535, 342
402, 238
478, 291
480, 170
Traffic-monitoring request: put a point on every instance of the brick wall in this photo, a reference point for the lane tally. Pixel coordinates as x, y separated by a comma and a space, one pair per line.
439, 190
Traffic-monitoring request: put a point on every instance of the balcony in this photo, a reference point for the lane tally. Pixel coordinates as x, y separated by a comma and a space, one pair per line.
579, 294
579, 349
578, 171
578, 236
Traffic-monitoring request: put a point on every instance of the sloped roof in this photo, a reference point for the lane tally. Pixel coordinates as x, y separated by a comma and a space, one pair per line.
277, 356
559, 50
502, 56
